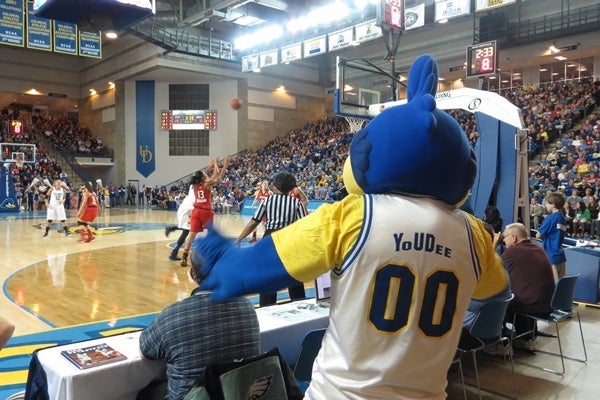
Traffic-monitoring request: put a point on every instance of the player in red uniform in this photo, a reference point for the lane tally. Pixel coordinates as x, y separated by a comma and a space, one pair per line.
202, 214
260, 195
88, 211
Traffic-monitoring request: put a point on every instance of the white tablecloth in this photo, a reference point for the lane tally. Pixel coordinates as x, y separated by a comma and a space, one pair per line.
281, 326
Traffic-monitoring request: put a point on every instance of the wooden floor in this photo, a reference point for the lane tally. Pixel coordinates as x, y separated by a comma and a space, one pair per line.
59, 282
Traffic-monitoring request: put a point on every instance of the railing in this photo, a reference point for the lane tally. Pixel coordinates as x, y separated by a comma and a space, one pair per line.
517, 33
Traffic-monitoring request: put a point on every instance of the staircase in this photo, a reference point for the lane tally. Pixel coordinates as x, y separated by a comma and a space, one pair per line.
74, 172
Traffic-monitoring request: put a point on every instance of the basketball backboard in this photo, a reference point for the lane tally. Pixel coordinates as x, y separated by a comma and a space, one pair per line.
359, 84
11, 152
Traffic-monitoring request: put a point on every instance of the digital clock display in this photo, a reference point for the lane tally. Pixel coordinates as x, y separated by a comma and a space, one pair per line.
481, 59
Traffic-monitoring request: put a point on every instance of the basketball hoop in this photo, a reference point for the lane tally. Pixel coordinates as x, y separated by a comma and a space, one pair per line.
355, 123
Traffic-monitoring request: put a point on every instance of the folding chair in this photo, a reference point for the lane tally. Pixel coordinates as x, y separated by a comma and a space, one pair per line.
489, 324
562, 309
311, 344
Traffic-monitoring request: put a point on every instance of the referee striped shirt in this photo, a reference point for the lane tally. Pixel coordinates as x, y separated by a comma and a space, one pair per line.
279, 210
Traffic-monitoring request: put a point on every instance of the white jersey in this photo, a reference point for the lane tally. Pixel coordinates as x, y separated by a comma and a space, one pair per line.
399, 298
184, 211
56, 206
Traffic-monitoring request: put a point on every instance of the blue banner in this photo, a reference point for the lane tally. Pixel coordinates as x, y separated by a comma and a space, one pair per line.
65, 38
90, 44
39, 31
145, 116
8, 200
12, 22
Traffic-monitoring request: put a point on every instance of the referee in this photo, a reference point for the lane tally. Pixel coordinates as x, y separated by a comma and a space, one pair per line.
279, 210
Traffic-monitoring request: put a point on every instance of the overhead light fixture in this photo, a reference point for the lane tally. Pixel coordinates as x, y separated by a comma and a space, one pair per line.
33, 92
111, 34
348, 88
553, 49
560, 58
256, 70
281, 89
111, 85
93, 92
443, 21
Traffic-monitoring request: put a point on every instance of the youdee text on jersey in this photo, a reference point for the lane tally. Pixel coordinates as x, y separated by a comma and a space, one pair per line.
421, 242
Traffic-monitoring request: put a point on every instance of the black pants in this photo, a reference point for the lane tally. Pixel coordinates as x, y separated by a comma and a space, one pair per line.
296, 292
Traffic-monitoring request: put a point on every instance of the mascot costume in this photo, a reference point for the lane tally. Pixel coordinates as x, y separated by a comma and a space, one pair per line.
404, 260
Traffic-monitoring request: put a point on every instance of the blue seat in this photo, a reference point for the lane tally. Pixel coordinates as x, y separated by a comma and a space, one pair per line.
487, 331
311, 344
562, 310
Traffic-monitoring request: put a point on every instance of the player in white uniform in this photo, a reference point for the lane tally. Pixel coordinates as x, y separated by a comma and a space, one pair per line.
184, 211
55, 206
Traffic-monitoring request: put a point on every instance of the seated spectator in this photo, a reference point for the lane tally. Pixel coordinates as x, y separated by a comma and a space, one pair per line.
195, 332
531, 280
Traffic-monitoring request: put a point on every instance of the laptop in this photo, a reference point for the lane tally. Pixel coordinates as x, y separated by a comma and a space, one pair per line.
323, 289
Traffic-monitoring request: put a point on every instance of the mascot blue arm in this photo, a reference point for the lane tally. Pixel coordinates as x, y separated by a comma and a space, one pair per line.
403, 150
234, 271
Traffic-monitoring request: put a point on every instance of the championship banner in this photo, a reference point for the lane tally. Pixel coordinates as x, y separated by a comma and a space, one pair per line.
90, 44
414, 17
12, 22
65, 37
250, 62
39, 31
144, 127
446, 9
485, 5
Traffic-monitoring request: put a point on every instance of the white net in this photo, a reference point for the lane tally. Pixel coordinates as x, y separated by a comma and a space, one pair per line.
355, 123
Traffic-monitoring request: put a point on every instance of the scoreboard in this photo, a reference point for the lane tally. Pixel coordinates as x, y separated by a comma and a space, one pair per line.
188, 120
482, 59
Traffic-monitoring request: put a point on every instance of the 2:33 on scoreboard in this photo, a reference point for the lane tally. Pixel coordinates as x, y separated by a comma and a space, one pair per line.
188, 120
482, 59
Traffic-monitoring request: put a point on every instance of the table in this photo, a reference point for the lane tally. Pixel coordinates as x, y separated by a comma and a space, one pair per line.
121, 380
284, 325
586, 262
281, 326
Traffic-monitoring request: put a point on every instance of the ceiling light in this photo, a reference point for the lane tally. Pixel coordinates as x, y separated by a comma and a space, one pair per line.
33, 92
111, 34
111, 85
560, 58
552, 49
256, 70
543, 69
280, 89
93, 92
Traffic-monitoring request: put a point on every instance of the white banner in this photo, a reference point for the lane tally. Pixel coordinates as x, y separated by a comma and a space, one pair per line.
291, 52
341, 39
316, 46
367, 31
269, 58
484, 5
446, 9
249, 62
414, 17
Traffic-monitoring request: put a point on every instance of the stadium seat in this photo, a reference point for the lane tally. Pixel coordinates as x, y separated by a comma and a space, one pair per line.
311, 344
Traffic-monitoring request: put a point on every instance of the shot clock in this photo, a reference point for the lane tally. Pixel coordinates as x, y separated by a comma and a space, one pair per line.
482, 59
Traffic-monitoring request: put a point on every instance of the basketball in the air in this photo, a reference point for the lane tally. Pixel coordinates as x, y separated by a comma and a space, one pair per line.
236, 104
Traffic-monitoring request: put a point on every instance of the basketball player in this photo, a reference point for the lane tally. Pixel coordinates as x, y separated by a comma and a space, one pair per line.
184, 211
55, 206
260, 195
88, 211
200, 191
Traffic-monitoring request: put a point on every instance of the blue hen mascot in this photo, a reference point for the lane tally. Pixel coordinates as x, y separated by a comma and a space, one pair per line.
404, 260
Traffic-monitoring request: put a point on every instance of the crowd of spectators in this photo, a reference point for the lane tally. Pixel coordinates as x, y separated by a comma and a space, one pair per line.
563, 131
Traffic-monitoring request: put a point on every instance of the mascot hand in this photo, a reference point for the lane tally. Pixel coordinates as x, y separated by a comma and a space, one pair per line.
262, 269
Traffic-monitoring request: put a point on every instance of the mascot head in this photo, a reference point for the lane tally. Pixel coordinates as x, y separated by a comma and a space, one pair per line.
413, 148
